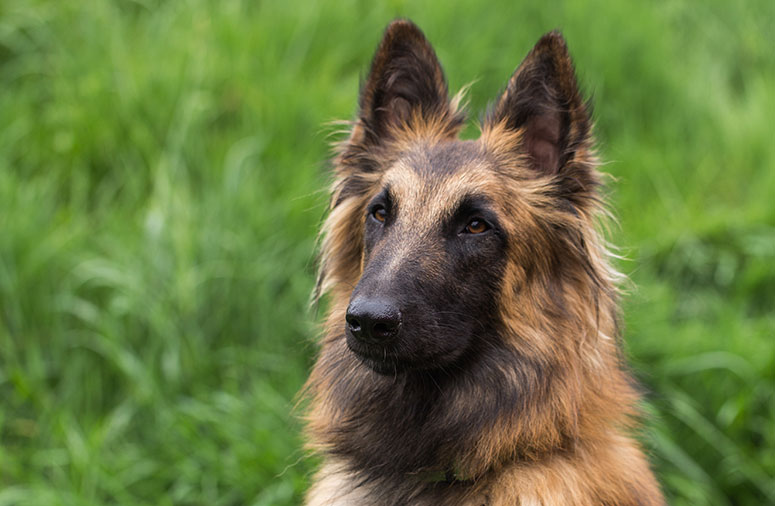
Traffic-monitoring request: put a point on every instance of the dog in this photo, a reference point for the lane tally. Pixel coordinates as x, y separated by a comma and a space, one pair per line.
471, 353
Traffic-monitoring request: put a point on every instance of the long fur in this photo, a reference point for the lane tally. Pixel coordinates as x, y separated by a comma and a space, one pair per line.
534, 404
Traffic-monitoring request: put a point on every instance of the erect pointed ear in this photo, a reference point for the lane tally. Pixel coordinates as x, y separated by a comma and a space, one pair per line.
542, 100
405, 83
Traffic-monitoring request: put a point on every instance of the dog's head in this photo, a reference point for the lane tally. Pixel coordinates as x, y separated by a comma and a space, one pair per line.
435, 243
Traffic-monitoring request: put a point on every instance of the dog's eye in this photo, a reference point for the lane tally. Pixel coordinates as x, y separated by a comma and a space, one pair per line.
476, 226
379, 213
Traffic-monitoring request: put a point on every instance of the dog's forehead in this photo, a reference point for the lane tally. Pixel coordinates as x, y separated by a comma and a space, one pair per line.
442, 159
436, 176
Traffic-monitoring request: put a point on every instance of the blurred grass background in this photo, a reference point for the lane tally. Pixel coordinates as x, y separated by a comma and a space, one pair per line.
161, 168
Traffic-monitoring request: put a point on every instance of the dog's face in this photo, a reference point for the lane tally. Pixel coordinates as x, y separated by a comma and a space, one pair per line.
434, 248
443, 230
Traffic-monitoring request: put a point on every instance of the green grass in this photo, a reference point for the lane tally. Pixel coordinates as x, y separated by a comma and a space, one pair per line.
161, 176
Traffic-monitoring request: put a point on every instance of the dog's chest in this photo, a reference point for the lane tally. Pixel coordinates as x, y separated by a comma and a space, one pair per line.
336, 487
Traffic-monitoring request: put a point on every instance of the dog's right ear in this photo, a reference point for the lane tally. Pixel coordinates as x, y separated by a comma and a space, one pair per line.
405, 90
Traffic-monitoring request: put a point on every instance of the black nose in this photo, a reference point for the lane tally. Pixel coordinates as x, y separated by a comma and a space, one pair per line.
373, 320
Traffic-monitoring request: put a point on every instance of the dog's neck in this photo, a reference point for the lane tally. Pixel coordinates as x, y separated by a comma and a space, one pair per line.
413, 423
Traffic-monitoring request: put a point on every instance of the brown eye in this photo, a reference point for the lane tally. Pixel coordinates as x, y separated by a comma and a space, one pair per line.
476, 226
380, 214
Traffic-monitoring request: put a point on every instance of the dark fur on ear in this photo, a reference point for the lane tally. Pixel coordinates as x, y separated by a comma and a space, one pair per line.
405, 86
543, 100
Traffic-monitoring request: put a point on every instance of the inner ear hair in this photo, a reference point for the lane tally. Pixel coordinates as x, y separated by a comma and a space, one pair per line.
544, 135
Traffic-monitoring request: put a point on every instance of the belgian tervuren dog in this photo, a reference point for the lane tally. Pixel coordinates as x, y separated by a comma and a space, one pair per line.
471, 354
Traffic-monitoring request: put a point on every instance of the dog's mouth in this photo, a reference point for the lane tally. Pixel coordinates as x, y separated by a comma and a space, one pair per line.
389, 360
380, 358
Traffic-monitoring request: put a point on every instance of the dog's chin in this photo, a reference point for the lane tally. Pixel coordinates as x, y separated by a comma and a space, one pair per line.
383, 367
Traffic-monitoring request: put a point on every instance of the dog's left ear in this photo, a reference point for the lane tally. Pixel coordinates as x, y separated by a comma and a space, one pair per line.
542, 100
